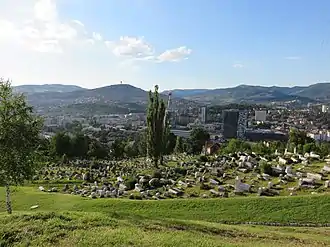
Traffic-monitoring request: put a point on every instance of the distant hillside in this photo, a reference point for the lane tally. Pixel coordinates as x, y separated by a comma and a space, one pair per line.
30, 89
185, 92
125, 98
109, 94
260, 94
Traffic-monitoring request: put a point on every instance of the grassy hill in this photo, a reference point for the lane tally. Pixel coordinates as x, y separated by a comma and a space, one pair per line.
64, 220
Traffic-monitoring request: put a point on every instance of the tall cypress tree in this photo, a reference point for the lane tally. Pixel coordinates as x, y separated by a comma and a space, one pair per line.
157, 127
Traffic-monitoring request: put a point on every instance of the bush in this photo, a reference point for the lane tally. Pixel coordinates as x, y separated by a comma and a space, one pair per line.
157, 174
205, 187
267, 168
130, 183
181, 171
203, 158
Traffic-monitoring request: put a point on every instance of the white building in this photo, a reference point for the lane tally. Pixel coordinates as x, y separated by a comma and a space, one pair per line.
260, 116
325, 108
321, 136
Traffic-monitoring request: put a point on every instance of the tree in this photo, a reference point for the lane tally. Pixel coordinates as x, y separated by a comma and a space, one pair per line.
97, 150
61, 144
131, 149
179, 148
324, 149
297, 137
142, 143
157, 127
171, 142
198, 137
19, 139
117, 149
79, 145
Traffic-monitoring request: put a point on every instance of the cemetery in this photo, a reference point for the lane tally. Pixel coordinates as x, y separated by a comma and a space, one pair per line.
183, 176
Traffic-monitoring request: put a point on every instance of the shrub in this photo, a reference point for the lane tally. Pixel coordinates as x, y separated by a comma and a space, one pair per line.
267, 168
181, 171
130, 183
157, 174
205, 186
203, 158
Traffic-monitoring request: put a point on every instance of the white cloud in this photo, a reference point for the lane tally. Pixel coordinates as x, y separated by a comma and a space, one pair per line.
78, 23
45, 10
42, 47
293, 58
131, 47
48, 46
175, 55
97, 36
43, 31
138, 49
238, 65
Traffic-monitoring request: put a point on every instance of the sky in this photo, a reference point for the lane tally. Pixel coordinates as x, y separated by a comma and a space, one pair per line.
171, 43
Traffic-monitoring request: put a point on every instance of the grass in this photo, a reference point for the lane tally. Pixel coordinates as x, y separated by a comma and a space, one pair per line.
181, 222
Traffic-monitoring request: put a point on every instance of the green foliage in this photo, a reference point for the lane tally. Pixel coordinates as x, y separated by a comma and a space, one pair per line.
179, 145
157, 127
97, 150
266, 168
79, 145
130, 183
236, 145
198, 137
261, 149
203, 158
117, 149
142, 143
61, 144
157, 174
20, 133
171, 142
299, 137
19, 137
131, 149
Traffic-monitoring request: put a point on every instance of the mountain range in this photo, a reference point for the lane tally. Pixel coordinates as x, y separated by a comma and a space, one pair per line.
60, 88
125, 96
120, 98
257, 94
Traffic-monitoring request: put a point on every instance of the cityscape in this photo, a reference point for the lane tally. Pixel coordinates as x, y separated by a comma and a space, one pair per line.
164, 123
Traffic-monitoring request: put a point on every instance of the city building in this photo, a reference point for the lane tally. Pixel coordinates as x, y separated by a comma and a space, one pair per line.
320, 136
182, 133
260, 116
325, 108
203, 114
230, 123
265, 135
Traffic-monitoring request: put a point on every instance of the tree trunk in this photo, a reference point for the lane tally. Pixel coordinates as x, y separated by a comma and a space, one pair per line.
8, 201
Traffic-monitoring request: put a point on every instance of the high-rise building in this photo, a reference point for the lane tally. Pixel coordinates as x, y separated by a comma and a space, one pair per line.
203, 114
230, 123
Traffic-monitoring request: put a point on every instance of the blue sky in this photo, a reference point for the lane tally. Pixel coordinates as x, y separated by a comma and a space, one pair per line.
173, 43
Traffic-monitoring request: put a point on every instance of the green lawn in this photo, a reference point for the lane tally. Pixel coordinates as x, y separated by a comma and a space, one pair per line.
65, 220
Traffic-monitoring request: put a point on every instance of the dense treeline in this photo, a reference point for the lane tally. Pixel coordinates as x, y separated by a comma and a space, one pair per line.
82, 146
85, 147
